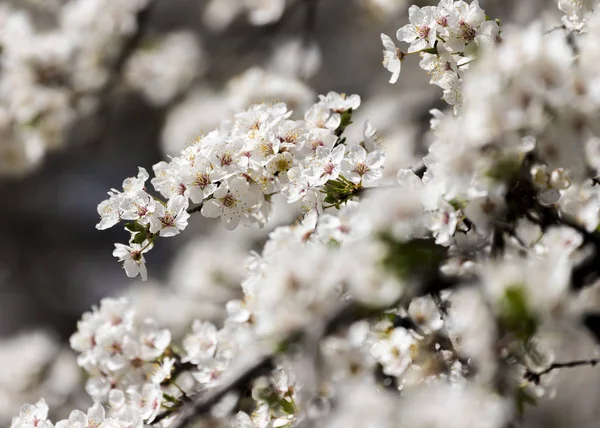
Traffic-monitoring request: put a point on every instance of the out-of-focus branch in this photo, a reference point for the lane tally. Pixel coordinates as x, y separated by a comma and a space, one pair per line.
344, 315
128, 47
246, 44
310, 22
535, 377
195, 209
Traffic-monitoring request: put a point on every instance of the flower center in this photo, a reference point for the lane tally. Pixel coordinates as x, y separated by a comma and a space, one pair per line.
167, 220
329, 168
229, 200
422, 30
202, 180
467, 32
225, 159
361, 169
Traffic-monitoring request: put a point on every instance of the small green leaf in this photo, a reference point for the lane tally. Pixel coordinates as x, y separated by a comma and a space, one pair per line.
139, 237
506, 168
286, 406
170, 398
515, 315
417, 256
523, 397
134, 226
345, 122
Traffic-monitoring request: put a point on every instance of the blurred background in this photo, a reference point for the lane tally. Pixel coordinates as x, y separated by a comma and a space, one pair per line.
192, 64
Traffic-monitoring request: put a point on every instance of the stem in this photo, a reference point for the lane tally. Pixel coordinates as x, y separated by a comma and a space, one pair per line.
465, 63
535, 376
344, 315
192, 210
128, 47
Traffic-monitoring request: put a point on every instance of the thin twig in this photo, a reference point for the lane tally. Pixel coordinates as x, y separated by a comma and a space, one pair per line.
558, 27
195, 209
536, 376
344, 315
128, 47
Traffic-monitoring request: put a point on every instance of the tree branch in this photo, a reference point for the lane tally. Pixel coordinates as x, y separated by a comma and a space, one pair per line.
192, 210
535, 377
128, 47
238, 378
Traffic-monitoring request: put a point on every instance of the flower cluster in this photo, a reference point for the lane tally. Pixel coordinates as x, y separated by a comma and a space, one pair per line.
118, 353
49, 78
447, 36
235, 170
145, 70
576, 13
220, 13
444, 283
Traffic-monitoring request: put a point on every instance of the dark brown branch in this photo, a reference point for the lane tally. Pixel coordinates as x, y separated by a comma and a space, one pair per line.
231, 382
310, 22
128, 47
344, 315
192, 210
535, 377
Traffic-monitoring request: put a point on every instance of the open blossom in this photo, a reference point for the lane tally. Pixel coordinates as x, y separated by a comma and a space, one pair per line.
424, 312
137, 207
153, 340
148, 401
111, 210
326, 165
32, 416
438, 65
169, 220
200, 180
201, 344
94, 417
395, 352
470, 17
132, 257
421, 32
359, 166
232, 202
392, 57
340, 103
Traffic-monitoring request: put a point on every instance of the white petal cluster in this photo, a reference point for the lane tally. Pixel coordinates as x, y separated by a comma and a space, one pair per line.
205, 108
49, 77
447, 37
235, 170
118, 352
218, 14
163, 69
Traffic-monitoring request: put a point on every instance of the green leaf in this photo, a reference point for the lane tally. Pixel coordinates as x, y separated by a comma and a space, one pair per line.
339, 191
506, 168
523, 397
135, 227
345, 122
515, 315
414, 257
286, 406
139, 237
170, 398
457, 204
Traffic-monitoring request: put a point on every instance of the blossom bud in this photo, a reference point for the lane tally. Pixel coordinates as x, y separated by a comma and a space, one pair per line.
539, 176
559, 179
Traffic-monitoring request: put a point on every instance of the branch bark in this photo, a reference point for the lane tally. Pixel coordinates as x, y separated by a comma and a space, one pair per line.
535, 377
